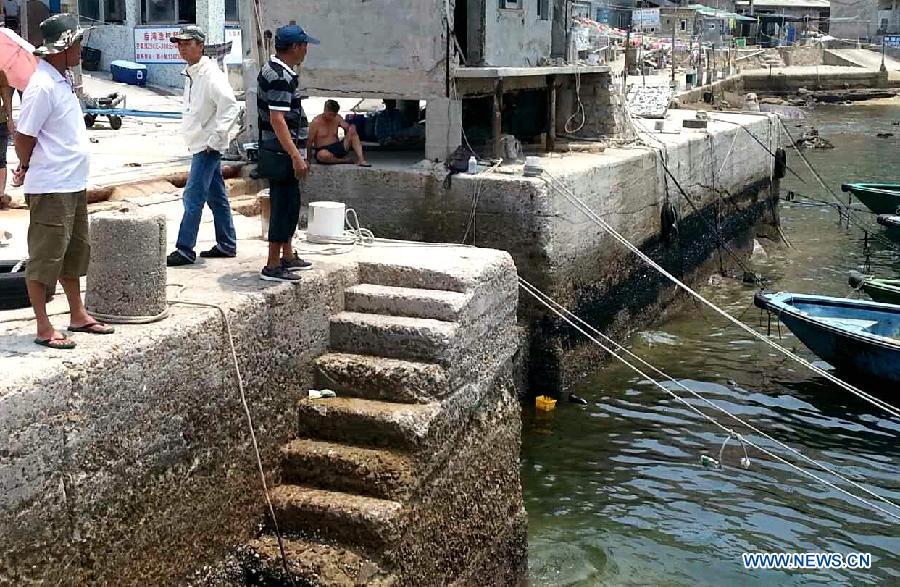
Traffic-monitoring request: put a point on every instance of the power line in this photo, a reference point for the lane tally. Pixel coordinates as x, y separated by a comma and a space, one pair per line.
579, 203
583, 327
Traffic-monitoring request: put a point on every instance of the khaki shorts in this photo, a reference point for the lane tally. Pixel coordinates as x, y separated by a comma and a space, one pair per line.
58, 244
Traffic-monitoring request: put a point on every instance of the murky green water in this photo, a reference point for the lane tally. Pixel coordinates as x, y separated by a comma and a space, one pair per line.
614, 490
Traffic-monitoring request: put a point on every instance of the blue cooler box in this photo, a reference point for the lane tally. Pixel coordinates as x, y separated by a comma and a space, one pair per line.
128, 72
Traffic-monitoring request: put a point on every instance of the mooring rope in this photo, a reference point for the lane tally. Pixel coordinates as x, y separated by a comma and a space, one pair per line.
246, 406
581, 205
569, 317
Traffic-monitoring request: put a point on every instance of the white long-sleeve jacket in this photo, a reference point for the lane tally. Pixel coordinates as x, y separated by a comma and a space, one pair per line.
210, 109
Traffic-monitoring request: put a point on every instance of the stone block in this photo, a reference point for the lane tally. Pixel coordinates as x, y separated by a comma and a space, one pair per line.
393, 336
366, 423
378, 473
309, 563
127, 275
406, 301
365, 522
381, 378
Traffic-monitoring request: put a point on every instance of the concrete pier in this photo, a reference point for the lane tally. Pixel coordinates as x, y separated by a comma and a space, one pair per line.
725, 170
128, 460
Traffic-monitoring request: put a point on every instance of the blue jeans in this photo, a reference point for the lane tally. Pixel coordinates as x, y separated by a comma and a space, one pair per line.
206, 185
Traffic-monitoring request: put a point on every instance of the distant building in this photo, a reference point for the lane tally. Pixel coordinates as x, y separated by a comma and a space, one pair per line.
615, 13
139, 30
865, 20
784, 22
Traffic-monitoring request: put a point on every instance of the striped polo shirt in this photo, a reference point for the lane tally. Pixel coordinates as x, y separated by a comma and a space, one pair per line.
279, 89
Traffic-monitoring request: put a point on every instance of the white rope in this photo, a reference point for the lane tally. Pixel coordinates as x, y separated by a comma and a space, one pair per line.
479, 181
548, 301
559, 185
579, 110
533, 291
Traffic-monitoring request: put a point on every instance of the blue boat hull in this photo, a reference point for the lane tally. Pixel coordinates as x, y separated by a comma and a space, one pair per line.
854, 351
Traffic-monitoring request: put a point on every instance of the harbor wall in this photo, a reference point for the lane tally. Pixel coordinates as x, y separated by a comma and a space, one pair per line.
724, 171
129, 461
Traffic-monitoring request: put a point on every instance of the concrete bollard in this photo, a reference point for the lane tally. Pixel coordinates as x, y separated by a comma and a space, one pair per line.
126, 281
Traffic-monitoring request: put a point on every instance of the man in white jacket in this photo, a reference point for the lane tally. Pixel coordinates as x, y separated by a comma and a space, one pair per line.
210, 111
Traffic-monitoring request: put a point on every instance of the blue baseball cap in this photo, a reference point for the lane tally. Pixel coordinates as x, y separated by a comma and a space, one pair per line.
291, 34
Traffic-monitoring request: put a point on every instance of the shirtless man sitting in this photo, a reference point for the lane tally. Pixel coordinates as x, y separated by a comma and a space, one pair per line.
323, 144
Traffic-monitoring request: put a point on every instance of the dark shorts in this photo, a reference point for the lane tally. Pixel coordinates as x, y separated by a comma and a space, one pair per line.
284, 213
337, 149
58, 244
4, 142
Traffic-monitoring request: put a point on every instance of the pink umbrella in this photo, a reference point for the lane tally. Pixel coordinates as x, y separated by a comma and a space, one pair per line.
16, 58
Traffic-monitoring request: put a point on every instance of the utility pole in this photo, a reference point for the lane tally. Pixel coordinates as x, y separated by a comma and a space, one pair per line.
674, 15
882, 68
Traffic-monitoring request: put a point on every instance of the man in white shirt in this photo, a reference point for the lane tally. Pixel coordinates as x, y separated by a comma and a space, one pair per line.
52, 147
210, 111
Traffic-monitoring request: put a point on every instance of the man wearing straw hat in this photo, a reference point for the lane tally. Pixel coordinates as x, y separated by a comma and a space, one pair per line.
52, 147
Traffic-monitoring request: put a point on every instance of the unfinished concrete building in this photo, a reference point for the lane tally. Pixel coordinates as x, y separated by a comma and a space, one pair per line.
481, 66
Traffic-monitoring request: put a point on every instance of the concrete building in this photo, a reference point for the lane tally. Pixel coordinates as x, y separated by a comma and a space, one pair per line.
865, 20
615, 13
139, 30
445, 53
783, 22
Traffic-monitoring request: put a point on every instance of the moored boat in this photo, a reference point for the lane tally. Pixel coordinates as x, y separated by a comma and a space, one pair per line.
891, 223
880, 198
886, 291
854, 336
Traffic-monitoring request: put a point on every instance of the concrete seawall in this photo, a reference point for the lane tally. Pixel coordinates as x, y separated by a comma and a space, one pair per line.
128, 461
725, 172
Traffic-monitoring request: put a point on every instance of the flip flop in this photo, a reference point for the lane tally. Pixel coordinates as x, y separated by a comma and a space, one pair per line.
366, 164
92, 328
62, 343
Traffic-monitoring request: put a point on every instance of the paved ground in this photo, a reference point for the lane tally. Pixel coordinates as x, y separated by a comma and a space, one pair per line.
142, 148
867, 58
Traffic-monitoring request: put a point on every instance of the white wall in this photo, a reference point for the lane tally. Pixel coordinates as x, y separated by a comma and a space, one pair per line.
116, 41
516, 37
375, 48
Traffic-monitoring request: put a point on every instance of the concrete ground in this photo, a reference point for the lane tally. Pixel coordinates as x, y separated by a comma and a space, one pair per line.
223, 281
869, 59
143, 148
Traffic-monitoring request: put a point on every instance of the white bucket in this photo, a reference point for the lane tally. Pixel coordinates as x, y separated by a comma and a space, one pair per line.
326, 220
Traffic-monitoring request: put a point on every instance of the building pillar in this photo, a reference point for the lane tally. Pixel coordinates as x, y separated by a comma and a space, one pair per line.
443, 127
211, 18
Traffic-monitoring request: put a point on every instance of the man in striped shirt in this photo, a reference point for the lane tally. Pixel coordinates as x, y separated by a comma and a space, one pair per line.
280, 115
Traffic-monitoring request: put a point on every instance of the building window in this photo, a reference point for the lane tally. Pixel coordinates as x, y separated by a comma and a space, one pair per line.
168, 11
102, 10
232, 11
510, 3
543, 9
683, 25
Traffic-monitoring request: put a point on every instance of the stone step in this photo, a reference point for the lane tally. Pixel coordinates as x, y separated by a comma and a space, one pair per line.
366, 423
406, 301
420, 277
310, 563
366, 523
381, 378
398, 337
339, 467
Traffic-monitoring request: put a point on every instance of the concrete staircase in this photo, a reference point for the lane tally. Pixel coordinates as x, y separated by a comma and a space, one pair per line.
350, 478
772, 59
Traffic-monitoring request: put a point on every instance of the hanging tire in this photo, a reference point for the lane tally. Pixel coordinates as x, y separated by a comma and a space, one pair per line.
780, 163
115, 122
13, 294
89, 120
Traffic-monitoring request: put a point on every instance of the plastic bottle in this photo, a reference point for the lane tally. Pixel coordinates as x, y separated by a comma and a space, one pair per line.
473, 165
